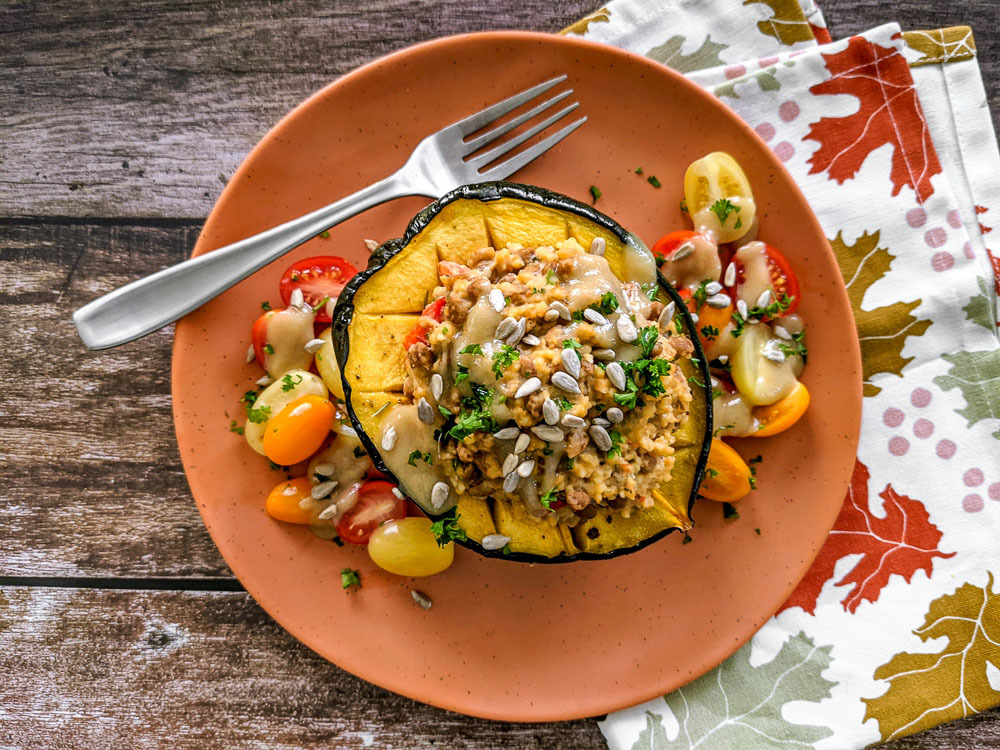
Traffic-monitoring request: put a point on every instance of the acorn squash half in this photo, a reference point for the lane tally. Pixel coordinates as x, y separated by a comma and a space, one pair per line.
380, 305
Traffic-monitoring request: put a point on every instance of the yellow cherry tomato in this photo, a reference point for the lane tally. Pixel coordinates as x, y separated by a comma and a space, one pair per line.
326, 365
759, 380
407, 547
718, 197
783, 413
283, 502
727, 477
298, 430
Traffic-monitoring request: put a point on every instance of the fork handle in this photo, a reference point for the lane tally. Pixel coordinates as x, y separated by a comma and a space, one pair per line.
146, 305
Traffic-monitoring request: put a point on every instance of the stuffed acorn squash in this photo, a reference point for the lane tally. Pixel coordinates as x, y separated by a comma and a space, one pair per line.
518, 365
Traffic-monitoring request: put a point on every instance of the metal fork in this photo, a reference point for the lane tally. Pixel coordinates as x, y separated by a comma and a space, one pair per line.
436, 166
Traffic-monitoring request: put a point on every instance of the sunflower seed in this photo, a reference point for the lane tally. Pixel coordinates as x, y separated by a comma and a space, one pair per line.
324, 470
550, 315
424, 411
604, 355
306, 503
570, 362
550, 410
264, 380
349, 431
314, 345
694, 317
616, 374
506, 328
682, 252
323, 489
571, 420
563, 311
723, 358
600, 437
522, 443
765, 298
509, 464
497, 301
528, 387
525, 469
372, 245
615, 415
591, 315
666, 316
713, 287
602, 422
597, 247
548, 434
566, 382
389, 438
439, 495
297, 299
741, 308
718, 301
421, 598
775, 355
398, 493
250, 355
518, 334
627, 331
328, 512
510, 482
531, 340
507, 433
437, 386
781, 333
730, 278
495, 541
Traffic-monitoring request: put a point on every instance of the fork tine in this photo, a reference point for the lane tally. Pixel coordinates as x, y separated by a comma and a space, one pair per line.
503, 169
477, 143
503, 148
484, 117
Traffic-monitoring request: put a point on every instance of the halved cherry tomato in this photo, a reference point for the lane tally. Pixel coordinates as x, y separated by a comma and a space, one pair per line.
718, 197
298, 430
727, 477
418, 334
318, 277
376, 504
667, 244
279, 338
783, 280
783, 413
258, 336
711, 322
283, 502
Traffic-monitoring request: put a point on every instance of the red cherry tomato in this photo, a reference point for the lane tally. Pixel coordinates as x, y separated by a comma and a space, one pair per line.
668, 243
258, 336
376, 505
318, 277
418, 334
783, 279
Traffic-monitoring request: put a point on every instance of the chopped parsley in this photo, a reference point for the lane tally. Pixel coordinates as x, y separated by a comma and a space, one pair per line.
797, 348
444, 412
472, 349
418, 456
687, 539
651, 290
752, 463
503, 359
595, 193
321, 304
268, 349
551, 277
738, 224
616, 443
259, 416
571, 344
638, 170
265, 305
701, 294
288, 384
709, 333
648, 337
607, 305
462, 374
325, 234
233, 427
722, 208
350, 577
729, 511
446, 529
577, 315
721, 429
757, 532
653, 181
506, 549
684, 206
773, 310
564, 404
570, 463
359, 452
712, 473
548, 498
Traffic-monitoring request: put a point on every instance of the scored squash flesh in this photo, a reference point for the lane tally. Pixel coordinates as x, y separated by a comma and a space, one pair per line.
382, 304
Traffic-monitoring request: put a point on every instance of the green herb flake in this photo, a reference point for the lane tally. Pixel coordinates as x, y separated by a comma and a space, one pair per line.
564, 404
259, 416
325, 234
265, 305
653, 181
684, 206
638, 170
446, 529
350, 577
797, 348
712, 473
506, 549
462, 375
548, 498
551, 277
595, 193
287, 383
687, 539
359, 452
722, 208
709, 333
571, 344
233, 427
607, 305
729, 511
757, 532
320, 305
503, 359
268, 349
616, 443
444, 412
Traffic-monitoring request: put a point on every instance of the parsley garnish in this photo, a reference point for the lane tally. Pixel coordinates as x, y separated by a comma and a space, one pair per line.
325, 234
548, 498
796, 348
722, 208
506, 549
503, 358
259, 416
684, 206
444, 412
729, 511
571, 344
268, 349
265, 305
648, 337
417, 456
607, 305
288, 384
638, 170
462, 374
551, 277
653, 181
446, 529
595, 193
687, 539
564, 404
359, 452
350, 577
709, 333
616, 443
472, 349
712, 473
233, 427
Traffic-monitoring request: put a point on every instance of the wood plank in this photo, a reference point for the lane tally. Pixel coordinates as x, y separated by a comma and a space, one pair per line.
86, 668
112, 110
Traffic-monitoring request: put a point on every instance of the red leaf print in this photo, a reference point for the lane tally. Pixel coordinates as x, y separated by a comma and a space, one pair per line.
888, 113
995, 262
982, 228
903, 542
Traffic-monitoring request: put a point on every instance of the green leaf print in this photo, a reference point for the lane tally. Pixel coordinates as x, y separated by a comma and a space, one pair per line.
977, 375
653, 736
980, 308
766, 81
737, 705
669, 53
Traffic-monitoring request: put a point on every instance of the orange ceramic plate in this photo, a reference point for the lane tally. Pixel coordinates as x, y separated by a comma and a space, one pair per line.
506, 640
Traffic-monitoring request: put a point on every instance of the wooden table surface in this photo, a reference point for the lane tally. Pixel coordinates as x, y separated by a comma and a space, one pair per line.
120, 624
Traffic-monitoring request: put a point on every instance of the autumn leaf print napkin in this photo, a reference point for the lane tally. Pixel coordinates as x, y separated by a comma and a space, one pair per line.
896, 627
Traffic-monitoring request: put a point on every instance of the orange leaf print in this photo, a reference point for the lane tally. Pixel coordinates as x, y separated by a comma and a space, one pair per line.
888, 113
903, 542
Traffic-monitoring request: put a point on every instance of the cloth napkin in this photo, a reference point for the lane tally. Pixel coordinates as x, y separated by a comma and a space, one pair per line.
896, 627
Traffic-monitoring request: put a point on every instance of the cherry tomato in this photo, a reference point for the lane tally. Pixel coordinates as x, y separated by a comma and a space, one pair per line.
318, 277
727, 477
298, 430
407, 547
418, 334
783, 280
376, 504
667, 245
283, 502
782, 414
258, 336
718, 197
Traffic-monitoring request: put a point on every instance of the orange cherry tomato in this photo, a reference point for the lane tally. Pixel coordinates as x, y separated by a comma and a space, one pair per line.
727, 477
298, 430
783, 413
711, 322
283, 502
668, 243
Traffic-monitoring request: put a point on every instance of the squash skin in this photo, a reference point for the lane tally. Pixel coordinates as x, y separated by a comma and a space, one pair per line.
494, 191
